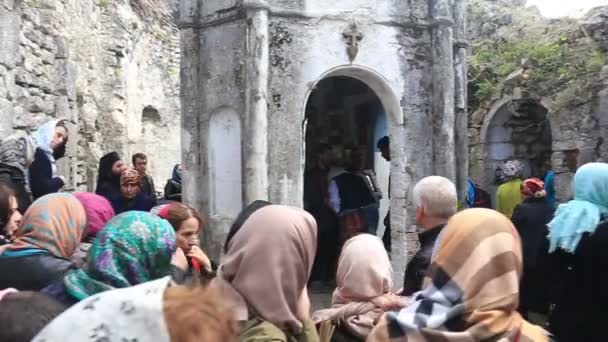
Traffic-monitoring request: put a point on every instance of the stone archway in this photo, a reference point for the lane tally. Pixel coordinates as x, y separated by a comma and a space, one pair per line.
400, 178
516, 129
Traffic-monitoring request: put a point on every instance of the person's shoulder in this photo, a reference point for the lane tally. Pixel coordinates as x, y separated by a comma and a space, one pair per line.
257, 330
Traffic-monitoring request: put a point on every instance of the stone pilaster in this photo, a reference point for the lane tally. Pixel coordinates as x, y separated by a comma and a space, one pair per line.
255, 147
442, 41
460, 96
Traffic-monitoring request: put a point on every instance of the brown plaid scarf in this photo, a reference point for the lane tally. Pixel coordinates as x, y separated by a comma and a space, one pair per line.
471, 290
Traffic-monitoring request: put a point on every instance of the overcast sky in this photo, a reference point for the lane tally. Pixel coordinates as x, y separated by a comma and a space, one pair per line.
560, 8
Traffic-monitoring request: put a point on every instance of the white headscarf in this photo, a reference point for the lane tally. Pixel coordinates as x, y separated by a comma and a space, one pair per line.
128, 314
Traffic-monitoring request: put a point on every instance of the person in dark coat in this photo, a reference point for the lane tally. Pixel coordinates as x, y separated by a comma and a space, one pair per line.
16, 155
353, 196
531, 218
49, 233
316, 202
436, 200
173, 188
51, 139
108, 176
131, 197
384, 145
578, 247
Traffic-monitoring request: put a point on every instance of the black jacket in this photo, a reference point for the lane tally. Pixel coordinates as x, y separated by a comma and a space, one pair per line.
580, 282
530, 219
41, 176
417, 267
32, 273
173, 191
16, 177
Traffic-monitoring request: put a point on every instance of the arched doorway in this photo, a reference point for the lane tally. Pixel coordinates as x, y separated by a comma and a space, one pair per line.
518, 129
343, 116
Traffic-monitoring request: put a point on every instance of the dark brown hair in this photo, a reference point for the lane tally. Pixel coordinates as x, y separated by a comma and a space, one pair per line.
178, 213
138, 156
197, 315
24, 314
6, 192
59, 151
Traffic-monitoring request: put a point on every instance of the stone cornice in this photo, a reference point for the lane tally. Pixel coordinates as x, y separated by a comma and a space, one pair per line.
237, 13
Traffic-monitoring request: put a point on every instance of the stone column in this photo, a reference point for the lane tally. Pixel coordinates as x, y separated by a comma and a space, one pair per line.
255, 130
444, 161
194, 187
460, 92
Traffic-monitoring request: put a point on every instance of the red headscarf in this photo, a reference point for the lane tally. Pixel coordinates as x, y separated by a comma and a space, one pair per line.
533, 188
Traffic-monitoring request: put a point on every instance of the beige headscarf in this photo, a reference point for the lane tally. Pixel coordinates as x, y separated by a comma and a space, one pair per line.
267, 265
364, 281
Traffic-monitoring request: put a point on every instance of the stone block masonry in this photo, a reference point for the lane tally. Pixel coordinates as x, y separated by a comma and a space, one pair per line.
101, 64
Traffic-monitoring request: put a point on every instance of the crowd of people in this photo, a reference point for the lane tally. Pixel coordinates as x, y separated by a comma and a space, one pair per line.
121, 265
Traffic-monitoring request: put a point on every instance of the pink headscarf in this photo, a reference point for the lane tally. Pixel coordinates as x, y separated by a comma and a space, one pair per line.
267, 266
364, 280
98, 209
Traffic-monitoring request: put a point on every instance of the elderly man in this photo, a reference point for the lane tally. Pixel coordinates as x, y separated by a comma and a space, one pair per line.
436, 201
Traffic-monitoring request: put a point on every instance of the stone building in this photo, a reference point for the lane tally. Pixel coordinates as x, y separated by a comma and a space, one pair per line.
111, 67
258, 76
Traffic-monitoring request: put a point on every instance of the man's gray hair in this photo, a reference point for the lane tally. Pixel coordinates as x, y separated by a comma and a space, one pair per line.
437, 196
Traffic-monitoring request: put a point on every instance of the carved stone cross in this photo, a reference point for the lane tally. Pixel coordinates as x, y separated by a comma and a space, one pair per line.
352, 36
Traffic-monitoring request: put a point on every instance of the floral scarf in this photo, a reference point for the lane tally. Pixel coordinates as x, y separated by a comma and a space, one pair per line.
134, 247
53, 224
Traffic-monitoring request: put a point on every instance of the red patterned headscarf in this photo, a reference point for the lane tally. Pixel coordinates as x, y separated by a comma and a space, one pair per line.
129, 176
533, 188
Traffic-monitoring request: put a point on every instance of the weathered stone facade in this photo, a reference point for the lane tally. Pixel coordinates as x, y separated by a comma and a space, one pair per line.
248, 68
112, 67
535, 117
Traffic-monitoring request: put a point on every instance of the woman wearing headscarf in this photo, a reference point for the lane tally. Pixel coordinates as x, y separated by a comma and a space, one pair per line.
131, 197
99, 211
265, 272
47, 237
16, 155
108, 176
153, 311
471, 290
10, 218
133, 248
508, 195
578, 238
51, 139
364, 283
173, 188
240, 220
188, 224
530, 219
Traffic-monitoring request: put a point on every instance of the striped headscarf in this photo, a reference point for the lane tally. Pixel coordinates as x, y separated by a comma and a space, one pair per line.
133, 248
52, 224
471, 291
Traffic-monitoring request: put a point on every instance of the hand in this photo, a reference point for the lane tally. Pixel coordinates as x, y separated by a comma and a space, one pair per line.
179, 260
196, 253
391, 301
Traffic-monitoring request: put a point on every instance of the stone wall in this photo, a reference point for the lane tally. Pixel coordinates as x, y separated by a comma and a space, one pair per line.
111, 67
576, 107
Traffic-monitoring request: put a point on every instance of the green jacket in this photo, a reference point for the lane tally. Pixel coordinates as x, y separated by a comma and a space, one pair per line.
257, 330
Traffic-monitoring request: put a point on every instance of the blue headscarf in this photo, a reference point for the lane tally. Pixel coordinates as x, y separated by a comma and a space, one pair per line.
584, 213
177, 174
